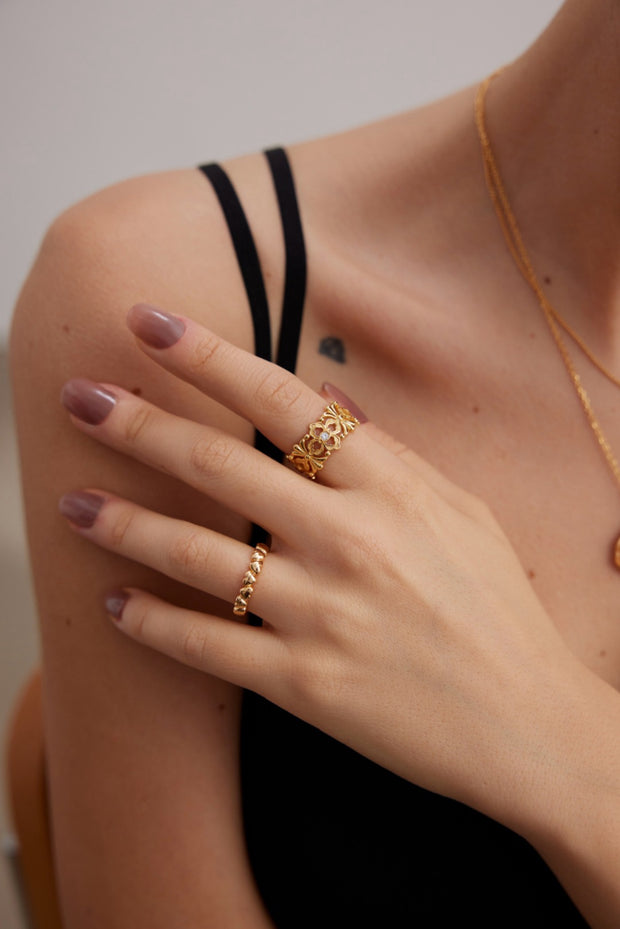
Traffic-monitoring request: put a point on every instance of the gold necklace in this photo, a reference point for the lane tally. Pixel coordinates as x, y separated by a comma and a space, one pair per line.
554, 320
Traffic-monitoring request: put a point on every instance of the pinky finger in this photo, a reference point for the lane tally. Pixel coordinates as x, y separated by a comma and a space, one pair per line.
248, 656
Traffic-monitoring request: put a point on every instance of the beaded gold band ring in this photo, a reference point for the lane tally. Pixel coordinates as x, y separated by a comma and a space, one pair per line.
240, 605
322, 438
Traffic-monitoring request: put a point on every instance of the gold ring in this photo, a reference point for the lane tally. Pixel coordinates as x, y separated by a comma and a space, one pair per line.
240, 605
322, 438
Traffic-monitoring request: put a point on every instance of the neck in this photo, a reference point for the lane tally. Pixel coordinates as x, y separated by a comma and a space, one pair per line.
552, 118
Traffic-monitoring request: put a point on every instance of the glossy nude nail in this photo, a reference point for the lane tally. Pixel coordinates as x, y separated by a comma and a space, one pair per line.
155, 327
81, 508
345, 401
87, 400
115, 603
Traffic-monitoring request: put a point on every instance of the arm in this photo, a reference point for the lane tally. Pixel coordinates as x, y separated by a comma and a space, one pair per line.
571, 813
394, 640
142, 752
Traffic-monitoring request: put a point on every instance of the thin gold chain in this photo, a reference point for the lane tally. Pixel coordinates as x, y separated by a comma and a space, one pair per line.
513, 236
521, 257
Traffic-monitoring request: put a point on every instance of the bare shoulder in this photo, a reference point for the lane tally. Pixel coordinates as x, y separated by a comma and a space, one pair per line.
159, 238
162, 239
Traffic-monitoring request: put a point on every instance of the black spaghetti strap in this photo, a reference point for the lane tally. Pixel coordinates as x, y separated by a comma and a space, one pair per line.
249, 264
247, 256
295, 251
296, 270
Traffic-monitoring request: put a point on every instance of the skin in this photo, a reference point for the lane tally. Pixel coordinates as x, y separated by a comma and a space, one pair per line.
396, 217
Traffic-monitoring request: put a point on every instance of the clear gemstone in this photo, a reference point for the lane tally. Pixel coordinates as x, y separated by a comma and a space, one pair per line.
324, 436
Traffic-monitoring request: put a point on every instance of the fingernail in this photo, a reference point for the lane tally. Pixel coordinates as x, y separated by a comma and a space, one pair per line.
115, 603
87, 400
153, 326
345, 401
81, 508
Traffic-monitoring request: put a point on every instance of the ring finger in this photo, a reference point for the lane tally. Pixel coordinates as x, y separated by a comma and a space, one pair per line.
194, 555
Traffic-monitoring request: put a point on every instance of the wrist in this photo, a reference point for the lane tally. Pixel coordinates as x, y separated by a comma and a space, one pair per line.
569, 804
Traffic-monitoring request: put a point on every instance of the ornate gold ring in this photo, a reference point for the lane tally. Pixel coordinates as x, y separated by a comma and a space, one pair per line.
322, 438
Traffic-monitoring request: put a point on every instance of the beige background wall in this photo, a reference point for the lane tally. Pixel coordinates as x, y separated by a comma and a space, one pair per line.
92, 93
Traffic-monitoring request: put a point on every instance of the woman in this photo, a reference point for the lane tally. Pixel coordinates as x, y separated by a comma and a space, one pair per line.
441, 599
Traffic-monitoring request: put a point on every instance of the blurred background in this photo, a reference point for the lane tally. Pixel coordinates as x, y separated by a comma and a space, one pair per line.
94, 93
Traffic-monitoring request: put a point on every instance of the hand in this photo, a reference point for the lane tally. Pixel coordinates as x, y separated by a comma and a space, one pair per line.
396, 615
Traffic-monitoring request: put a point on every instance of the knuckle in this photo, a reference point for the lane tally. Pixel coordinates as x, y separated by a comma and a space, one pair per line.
203, 352
120, 528
136, 423
364, 552
193, 643
363, 549
209, 457
278, 392
414, 501
140, 618
401, 492
317, 680
189, 554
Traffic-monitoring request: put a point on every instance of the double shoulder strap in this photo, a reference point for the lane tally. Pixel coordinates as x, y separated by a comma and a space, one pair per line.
249, 264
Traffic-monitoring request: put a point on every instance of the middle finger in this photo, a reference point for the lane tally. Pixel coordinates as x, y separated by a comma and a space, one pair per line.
207, 459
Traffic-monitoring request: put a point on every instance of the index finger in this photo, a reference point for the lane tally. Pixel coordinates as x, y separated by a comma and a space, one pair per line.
277, 402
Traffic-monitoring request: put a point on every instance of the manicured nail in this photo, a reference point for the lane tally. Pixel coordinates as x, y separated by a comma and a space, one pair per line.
345, 401
153, 326
115, 603
81, 507
87, 400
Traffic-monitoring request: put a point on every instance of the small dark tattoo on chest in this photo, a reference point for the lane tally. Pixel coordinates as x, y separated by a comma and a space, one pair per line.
333, 348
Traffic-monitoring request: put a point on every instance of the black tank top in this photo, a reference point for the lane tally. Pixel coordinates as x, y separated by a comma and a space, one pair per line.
334, 840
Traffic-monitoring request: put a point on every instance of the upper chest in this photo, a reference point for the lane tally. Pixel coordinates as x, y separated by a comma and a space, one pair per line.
500, 418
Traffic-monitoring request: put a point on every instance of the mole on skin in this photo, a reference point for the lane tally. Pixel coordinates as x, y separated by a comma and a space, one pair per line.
333, 348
